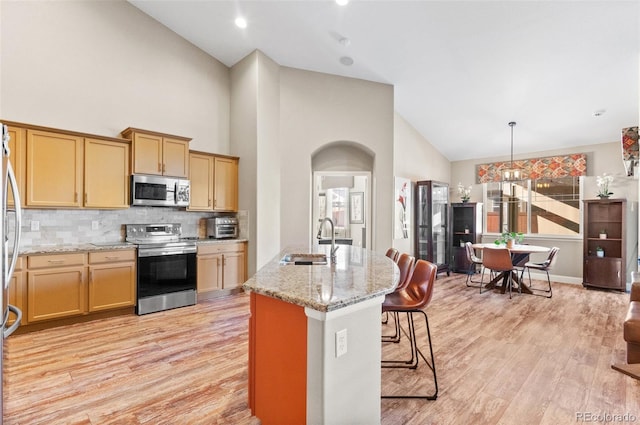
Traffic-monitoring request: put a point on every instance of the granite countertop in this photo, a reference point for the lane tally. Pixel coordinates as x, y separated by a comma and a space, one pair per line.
100, 246
358, 275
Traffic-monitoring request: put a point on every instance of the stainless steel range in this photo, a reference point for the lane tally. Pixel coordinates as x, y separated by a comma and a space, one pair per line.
166, 267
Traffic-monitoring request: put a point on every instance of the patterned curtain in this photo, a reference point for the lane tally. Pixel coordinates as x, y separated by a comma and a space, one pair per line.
536, 168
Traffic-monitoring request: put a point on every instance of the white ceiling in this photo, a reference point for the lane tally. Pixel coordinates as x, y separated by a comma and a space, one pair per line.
461, 69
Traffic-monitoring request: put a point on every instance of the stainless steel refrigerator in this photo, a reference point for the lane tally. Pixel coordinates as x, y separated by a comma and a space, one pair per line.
10, 237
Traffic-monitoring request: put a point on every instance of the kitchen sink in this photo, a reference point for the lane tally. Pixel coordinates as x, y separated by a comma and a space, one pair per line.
304, 259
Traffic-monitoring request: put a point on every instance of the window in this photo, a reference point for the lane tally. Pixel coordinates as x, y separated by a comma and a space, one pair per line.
542, 206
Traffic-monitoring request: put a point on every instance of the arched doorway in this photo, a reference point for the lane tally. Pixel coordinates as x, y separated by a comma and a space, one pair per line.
342, 191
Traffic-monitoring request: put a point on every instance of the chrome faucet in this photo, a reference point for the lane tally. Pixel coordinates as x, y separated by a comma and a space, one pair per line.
334, 248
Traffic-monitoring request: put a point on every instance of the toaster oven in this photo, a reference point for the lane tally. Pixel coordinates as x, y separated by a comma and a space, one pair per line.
222, 227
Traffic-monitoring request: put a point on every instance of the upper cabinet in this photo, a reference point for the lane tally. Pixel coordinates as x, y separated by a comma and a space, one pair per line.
157, 153
54, 169
17, 146
225, 190
201, 178
106, 174
64, 169
214, 182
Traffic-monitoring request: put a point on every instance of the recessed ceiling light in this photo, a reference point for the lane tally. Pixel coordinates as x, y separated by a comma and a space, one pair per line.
241, 22
342, 2
346, 60
599, 112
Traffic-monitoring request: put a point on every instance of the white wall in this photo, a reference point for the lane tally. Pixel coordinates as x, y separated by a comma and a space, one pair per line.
100, 67
255, 106
317, 109
415, 159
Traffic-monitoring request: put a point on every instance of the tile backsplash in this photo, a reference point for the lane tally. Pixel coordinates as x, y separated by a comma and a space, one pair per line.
59, 227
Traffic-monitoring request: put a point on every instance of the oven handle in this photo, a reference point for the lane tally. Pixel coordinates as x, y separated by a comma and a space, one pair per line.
157, 252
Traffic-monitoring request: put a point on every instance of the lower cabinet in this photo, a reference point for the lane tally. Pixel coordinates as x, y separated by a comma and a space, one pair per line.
112, 279
221, 266
56, 286
72, 284
17, 291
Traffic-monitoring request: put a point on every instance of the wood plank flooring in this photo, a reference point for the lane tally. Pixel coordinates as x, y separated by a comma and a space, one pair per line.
528, 360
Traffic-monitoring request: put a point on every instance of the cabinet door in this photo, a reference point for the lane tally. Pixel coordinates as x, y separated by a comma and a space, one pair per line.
175, 154
201, 178
603, 272
17, 295
147, 154
54, 169
17, 143
225, 184
209, 273
233, 270
56, 293
106, 174
112, 286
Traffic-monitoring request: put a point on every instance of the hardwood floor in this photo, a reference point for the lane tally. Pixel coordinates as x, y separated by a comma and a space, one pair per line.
528, 360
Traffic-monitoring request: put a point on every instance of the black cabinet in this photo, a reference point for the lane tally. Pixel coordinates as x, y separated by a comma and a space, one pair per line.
466, 226
604, 246
432, 223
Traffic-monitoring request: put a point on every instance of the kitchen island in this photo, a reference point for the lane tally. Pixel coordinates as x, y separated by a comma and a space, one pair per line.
314, 337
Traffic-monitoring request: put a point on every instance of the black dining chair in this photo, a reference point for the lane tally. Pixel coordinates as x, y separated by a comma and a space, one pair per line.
473, 261
545, 266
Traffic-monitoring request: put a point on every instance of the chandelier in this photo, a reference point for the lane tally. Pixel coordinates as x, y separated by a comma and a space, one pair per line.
512, 174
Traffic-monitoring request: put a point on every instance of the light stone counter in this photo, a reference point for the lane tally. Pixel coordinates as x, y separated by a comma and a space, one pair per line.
358, 275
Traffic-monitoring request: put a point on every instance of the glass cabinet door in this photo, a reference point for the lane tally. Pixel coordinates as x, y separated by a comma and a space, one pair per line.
432, 208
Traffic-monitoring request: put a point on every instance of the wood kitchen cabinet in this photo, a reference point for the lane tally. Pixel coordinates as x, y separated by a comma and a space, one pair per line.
106, 173
54, 169
56, 286
17, 292
201, 178
225, 182
221, 268
158, 153
112, 279
17, 146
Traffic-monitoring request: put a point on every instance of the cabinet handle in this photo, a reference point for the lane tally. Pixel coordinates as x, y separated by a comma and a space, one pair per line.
75, 197
159, 167
209, 203
164, 168
112, 258
56, 261
215, 203
91, 276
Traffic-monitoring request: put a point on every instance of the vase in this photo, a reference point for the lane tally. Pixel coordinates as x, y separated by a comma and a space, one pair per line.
510, 243
464, 201
600, 254
603, 196
603, 236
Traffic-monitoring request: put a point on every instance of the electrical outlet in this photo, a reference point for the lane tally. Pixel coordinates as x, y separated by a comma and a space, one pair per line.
95, 225
341, 343
35, 225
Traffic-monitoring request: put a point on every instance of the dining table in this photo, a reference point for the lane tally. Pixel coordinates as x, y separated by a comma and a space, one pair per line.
519, 255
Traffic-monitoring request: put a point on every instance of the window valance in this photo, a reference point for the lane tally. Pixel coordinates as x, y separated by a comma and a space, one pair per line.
573, 165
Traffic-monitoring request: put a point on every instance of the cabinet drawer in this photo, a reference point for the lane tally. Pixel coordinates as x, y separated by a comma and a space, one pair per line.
112, 256
19, 263
57, 260
219, 248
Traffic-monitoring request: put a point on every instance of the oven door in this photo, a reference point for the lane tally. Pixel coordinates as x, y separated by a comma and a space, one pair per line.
163, 274
226, 231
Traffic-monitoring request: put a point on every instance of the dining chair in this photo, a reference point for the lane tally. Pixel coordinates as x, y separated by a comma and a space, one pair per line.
499, 260
405, 264
414, 298
473, 262
393, 254
545, 266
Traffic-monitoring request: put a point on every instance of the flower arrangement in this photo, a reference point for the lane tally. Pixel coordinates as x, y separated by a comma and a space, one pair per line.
464, 192
603, 183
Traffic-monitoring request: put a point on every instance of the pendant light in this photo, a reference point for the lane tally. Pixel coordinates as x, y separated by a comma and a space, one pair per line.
512, 174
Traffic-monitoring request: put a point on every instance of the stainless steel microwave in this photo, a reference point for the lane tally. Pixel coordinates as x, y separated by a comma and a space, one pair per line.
159, 191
